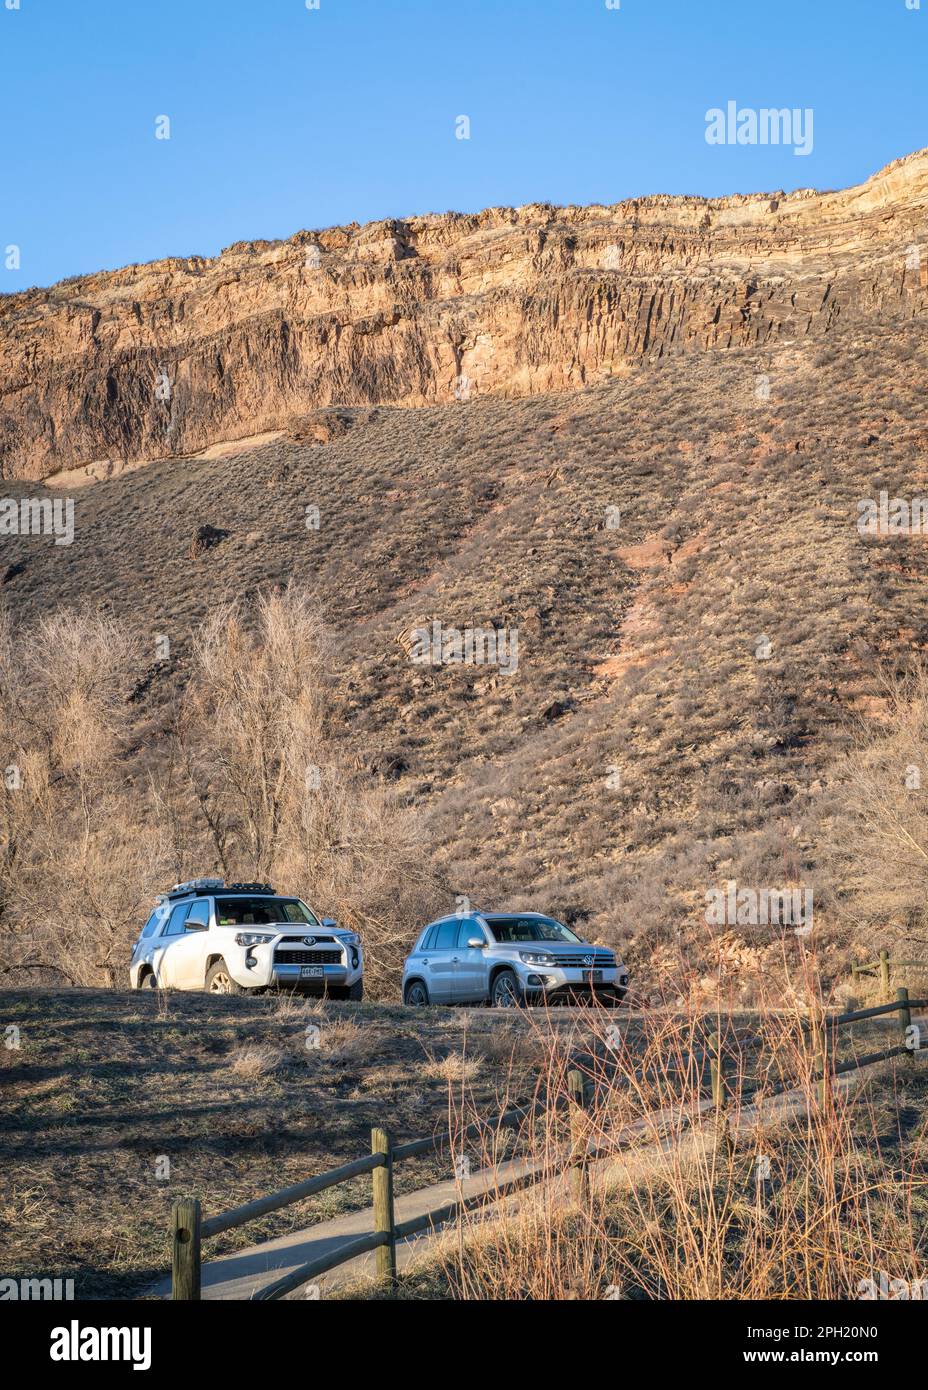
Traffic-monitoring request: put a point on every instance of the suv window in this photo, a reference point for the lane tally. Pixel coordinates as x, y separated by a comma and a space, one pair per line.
199, 912
506, 929
262, 912
151, 924
468, 929
447, 937
429, 939
176, 920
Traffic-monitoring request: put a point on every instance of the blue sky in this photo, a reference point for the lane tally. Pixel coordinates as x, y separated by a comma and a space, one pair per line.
284, 118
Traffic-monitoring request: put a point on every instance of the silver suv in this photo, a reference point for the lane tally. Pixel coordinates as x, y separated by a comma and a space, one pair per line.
508, 958
232, 938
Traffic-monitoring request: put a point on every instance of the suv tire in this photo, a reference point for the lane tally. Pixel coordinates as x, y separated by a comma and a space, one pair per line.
416, 995
149, 980
355, 991
505, 992
219, 981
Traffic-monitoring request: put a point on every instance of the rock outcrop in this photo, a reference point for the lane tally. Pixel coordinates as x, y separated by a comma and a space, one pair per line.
168, 358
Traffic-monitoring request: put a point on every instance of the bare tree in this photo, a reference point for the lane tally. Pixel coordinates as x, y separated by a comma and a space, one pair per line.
79, 856
253, 783
252, 727
278, 795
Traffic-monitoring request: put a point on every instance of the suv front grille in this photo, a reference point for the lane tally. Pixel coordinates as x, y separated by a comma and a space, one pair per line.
307, 957
586, 960
298, 940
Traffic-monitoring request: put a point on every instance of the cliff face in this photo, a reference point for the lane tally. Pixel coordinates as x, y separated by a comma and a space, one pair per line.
168, 358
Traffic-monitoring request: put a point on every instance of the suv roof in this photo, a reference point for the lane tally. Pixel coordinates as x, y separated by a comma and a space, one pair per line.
201, 887
487, 916
493, 916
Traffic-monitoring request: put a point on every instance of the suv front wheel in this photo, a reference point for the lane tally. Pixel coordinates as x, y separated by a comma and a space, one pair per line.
505, 992
219, 981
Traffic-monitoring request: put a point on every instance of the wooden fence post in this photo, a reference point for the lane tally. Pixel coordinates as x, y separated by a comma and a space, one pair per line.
905, 1018
884, 974
384, 1218
185, 1257
578, 1135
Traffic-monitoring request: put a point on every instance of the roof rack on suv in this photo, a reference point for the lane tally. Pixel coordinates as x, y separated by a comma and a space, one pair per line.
198, 886
195, 885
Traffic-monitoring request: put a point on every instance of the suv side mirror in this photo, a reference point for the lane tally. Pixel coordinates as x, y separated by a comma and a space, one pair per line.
196, 926
477, 942
329, 922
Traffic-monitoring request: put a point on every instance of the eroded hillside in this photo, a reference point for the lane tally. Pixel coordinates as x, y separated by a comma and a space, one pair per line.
699, 619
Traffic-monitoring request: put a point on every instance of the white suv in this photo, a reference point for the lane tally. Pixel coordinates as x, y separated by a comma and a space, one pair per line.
231, 938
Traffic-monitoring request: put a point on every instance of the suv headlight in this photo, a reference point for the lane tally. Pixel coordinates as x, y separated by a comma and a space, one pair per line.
251, 938
537, 957
350, 938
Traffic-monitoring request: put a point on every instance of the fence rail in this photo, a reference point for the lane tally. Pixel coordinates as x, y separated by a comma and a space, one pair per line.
824, 1039
189, 1230
884, 965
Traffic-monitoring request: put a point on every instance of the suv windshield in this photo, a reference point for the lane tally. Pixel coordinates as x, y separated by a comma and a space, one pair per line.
507, 929
262, 912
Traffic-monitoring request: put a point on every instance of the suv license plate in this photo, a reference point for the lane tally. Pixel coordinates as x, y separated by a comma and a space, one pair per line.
311, 972
596, 977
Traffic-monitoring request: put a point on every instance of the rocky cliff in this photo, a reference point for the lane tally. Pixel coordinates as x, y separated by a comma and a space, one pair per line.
168, 358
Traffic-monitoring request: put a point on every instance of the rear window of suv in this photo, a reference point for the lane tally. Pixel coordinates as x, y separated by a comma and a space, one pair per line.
151, 925
262, 912
447, 935
506, 929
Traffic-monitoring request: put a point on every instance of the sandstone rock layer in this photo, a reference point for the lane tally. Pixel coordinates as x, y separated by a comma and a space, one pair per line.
168, 358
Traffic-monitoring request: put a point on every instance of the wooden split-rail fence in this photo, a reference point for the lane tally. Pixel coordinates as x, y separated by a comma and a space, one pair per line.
884, 966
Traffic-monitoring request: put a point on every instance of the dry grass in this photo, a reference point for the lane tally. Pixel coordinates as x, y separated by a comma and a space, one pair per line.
227, 1089
256, 1060
805, 1204
507, 1045
345, 1040
455, 1068
886, 822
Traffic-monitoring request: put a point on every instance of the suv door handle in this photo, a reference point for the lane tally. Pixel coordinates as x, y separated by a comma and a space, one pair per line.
455, 960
